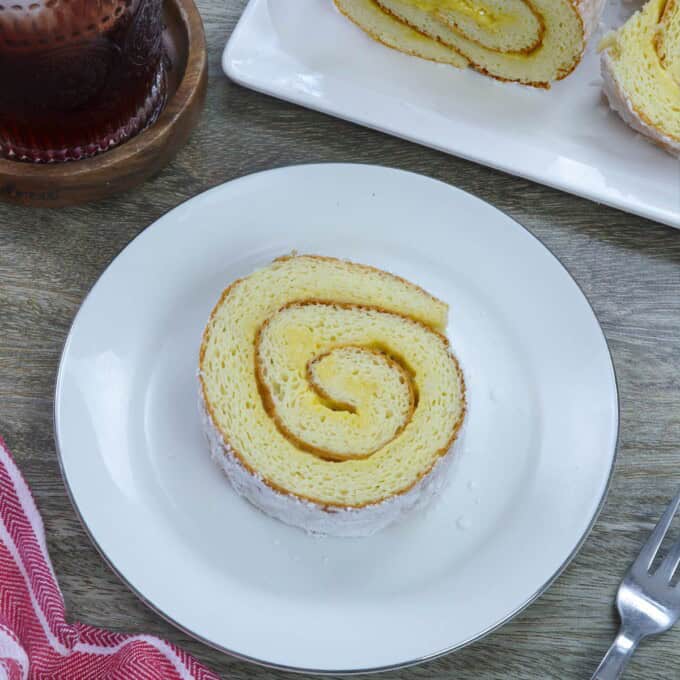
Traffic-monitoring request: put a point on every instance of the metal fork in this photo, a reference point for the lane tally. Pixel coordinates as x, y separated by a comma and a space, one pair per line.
647, 603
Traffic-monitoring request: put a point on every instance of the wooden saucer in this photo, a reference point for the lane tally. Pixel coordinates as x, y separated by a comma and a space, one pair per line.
129, 164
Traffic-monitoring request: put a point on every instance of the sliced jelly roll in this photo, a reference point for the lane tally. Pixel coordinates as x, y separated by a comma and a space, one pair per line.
331, 397
533, 42
641, 72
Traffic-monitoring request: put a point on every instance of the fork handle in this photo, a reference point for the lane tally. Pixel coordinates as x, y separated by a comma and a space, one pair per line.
617, 657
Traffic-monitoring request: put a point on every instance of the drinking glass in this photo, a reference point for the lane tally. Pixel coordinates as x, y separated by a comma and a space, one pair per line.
78, 76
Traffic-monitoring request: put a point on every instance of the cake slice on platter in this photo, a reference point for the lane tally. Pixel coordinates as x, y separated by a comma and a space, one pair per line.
641, 72
533, 43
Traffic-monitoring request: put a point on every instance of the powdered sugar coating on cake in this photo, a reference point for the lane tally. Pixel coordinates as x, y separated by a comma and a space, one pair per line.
312, 517
591, 12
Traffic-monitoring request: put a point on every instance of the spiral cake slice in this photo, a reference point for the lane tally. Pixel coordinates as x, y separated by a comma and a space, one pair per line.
331, 397
533, 42
641, 72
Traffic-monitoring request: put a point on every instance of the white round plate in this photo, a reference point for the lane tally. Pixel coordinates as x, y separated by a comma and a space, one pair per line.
530, 478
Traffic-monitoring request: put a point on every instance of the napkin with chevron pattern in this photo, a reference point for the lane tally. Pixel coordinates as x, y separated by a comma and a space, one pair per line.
36, 641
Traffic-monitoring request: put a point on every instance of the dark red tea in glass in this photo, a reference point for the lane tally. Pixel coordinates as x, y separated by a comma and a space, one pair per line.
78, 76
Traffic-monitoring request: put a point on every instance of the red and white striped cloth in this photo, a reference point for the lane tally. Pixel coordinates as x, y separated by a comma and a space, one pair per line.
35, 639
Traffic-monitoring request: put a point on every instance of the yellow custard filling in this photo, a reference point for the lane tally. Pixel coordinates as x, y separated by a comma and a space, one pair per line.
482, 15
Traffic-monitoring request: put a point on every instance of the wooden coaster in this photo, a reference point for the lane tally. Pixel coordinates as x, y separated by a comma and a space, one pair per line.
115, 171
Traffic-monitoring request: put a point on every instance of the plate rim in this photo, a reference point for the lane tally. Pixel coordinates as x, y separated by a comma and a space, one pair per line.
645, 210
352, 671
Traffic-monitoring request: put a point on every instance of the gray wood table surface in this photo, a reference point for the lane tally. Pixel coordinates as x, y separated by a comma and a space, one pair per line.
628, 267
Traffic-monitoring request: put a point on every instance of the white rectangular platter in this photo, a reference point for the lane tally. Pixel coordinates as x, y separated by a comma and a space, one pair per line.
305, 52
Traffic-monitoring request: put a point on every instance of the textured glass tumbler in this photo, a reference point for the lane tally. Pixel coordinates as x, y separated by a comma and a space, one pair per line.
78, 76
